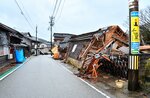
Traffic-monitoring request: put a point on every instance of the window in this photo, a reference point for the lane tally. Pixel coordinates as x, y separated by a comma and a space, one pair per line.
74, 48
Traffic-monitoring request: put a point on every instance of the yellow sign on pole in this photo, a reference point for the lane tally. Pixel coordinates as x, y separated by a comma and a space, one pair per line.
135, 34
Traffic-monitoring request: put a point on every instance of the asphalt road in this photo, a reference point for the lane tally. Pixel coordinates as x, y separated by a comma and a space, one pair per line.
43, 77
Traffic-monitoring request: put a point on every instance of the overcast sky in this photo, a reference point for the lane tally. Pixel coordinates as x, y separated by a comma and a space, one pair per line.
76, 17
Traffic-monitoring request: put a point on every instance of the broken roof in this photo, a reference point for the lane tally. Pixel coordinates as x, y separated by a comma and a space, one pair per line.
62, 35
89, 35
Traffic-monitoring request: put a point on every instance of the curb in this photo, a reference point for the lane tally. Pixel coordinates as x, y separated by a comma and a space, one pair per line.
10, 71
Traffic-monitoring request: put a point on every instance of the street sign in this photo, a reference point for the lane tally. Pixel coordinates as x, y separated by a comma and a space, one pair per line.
135, 34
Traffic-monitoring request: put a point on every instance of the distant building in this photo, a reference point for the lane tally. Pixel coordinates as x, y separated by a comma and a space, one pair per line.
44, 46
41, 45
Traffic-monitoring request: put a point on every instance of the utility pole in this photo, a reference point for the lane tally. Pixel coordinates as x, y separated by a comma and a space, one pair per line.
51, 27
36, 41
134, 35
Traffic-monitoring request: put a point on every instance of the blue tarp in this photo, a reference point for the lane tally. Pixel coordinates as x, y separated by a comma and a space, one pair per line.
19, 54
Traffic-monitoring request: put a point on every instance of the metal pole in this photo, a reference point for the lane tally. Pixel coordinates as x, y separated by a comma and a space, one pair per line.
36, 41
51, 27
134, 41
51, 35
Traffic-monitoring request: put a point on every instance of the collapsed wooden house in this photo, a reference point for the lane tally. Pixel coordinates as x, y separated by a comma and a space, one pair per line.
61, 41
87, 50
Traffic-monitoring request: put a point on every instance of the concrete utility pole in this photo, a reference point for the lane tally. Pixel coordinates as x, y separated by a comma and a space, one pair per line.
36, 41
134, 35
51, 27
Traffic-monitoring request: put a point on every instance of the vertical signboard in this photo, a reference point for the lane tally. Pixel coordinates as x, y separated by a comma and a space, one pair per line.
135, 34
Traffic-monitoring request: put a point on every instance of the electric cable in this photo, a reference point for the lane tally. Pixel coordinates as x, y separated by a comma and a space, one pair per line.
27, 14
60, 11
22, 13
55, 7
58, 8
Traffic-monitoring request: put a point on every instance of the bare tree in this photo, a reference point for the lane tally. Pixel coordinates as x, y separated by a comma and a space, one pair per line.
144, 24
145, 17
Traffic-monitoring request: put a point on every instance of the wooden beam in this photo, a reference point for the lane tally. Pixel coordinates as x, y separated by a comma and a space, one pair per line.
146, 47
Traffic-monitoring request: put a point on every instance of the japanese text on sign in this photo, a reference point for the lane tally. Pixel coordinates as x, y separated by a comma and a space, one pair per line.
135, 35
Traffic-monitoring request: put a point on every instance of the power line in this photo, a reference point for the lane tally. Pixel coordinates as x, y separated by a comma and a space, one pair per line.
23, 14
55, 7
52, 19
54, 14
58, 8
27, 14
61, 11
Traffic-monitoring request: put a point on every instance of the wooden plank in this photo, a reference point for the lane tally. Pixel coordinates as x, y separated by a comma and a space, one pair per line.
87, 49
146, 47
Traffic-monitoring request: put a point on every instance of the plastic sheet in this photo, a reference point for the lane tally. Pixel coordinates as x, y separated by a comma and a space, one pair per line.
19, 54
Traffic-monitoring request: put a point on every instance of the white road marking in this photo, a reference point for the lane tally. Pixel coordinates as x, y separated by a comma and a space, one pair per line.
88, 83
